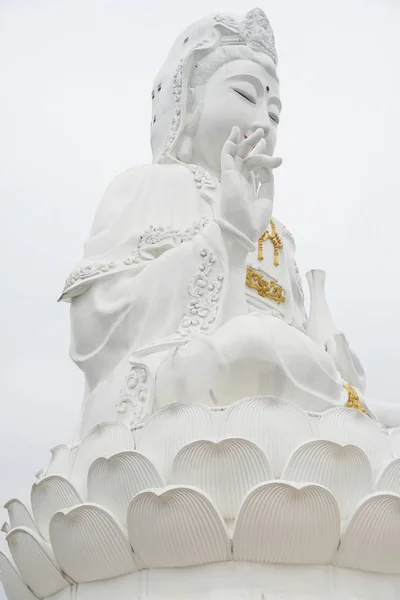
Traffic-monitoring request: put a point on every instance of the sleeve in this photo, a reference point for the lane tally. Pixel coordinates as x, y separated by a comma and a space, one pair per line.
172, 298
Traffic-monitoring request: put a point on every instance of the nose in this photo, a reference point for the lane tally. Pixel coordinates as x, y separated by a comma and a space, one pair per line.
263, 121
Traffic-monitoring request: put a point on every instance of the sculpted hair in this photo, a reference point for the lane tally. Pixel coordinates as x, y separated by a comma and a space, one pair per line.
208, 65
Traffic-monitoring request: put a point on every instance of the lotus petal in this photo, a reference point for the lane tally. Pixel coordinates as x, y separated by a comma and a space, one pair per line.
389, 479
89, 545
40, 474
60, 462
103, 440
177, 527
113, 482
279, 523
349, 426
5, 528
372, 539
35, 562
394, 440
314, 419
225, 470
50, 495
19, 515
344, 470
14, 587
171, 428
276, 425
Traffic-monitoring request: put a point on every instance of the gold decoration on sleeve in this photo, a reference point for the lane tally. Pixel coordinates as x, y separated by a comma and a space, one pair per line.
266, 289
276, 241
354, 399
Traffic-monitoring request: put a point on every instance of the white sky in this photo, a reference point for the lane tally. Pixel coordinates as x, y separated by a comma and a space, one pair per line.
76, 79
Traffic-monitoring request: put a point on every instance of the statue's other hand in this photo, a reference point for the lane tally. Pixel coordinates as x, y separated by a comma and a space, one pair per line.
246, 205
347, 362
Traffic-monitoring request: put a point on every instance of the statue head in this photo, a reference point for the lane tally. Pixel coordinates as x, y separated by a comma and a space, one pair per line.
220, 72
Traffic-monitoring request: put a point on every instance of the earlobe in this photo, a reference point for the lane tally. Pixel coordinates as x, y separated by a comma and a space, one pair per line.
185, 147
184, 151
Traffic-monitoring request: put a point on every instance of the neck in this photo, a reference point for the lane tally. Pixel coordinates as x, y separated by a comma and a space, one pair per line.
203, 164
192, 166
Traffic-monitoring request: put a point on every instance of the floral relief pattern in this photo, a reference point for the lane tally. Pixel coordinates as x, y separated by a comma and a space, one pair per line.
152, 236
176, 90
204, 293
134, 392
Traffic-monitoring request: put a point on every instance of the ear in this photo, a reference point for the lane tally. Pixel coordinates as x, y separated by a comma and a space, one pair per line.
190, 100
184, 151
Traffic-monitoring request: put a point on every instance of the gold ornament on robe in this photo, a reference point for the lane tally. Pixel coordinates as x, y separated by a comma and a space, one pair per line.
276, 242
354, 399
266, 289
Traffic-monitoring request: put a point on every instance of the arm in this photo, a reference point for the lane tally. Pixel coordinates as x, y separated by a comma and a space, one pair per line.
246, 207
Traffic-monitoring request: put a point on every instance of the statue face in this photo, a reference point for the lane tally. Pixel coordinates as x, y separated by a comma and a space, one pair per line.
241, 93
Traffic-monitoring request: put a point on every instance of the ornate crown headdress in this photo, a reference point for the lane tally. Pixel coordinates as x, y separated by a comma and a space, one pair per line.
255, 31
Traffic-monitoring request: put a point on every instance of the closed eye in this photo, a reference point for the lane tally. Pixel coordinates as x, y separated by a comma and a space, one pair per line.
245, 95
274, 117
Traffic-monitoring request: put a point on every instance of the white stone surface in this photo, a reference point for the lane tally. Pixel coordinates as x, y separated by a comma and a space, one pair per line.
219, 498
160, 312
217, 452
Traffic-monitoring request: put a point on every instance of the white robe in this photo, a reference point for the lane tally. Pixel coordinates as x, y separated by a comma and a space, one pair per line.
155, 275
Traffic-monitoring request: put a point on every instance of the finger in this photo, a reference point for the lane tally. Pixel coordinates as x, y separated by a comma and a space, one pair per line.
229, 149
266, 180
235, 134
227, 163
247, 144
232, 141
259, 148
266, 175
252, 183
262, 161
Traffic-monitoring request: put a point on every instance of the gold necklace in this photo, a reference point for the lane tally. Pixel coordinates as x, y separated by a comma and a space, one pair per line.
276, 242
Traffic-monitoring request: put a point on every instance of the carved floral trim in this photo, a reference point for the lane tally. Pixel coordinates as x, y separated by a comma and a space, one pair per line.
204, 294
176, 90
150, 237
134, 393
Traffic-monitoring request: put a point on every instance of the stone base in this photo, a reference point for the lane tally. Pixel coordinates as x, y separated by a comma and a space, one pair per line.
240, 581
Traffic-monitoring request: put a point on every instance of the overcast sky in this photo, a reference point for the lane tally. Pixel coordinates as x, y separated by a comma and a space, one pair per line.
76, 79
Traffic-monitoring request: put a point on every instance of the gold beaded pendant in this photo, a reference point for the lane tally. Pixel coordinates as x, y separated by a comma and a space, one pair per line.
276, 242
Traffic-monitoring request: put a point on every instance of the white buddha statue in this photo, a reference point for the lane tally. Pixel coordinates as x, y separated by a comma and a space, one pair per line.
188, 290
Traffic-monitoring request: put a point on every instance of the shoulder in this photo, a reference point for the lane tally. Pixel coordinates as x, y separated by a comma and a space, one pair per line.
147, 184
152, 174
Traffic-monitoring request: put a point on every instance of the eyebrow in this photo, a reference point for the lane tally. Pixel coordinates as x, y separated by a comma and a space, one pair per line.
254, 80
275, 100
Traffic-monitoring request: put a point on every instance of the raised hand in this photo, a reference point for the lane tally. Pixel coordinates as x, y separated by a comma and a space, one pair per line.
247, 183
